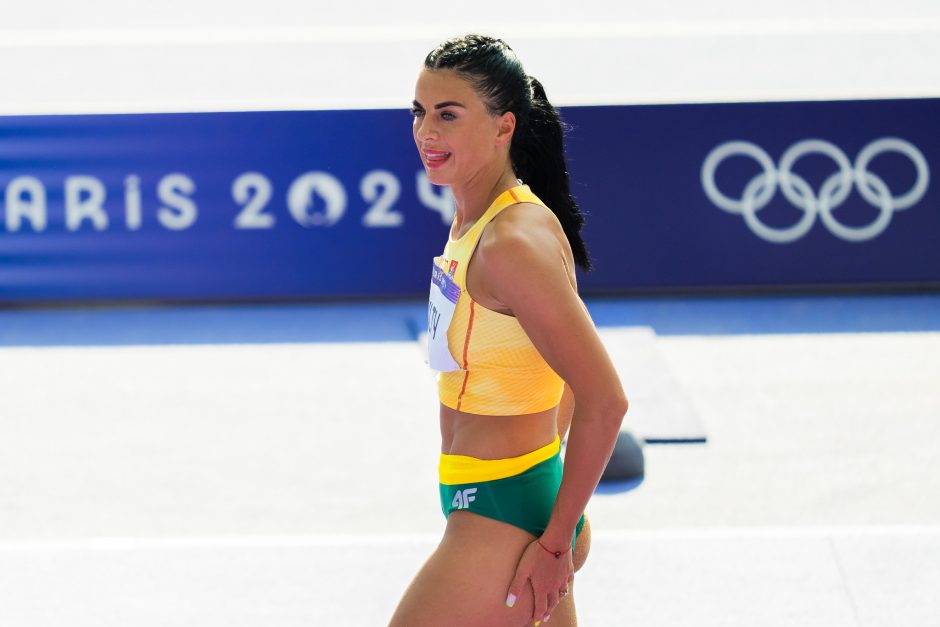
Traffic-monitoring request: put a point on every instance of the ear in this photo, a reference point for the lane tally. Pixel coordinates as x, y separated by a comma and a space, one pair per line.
505, 127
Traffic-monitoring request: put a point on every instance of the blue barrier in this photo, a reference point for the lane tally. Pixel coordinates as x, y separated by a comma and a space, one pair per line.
261, 205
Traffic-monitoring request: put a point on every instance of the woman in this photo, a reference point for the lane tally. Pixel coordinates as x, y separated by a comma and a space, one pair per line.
515, 348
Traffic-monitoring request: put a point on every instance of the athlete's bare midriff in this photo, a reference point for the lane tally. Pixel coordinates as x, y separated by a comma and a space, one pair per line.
496, 437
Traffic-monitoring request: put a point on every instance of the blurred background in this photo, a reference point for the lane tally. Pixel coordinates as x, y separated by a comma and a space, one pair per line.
214, 243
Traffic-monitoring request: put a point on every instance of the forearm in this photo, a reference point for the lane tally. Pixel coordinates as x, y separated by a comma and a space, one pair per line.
591, 441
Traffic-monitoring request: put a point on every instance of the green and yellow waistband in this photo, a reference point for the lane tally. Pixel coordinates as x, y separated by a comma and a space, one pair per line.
458, 469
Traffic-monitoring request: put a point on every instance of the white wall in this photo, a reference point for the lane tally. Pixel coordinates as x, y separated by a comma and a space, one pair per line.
197, 55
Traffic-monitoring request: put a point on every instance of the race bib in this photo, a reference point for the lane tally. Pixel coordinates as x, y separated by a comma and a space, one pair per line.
441, 305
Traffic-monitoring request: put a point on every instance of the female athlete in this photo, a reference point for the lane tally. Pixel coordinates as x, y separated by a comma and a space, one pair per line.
518, 356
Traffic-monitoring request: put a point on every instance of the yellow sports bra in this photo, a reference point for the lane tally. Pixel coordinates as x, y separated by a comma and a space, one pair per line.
486, 361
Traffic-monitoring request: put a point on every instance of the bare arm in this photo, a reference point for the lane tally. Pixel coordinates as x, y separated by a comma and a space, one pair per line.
565, 412
525, 266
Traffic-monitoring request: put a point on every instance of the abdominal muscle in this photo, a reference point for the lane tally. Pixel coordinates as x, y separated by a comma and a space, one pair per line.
496, 437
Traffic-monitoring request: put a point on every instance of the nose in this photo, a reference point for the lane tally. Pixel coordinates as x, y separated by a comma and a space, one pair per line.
425, 129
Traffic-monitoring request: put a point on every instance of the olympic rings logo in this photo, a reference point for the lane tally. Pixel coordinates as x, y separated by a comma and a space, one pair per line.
835, 189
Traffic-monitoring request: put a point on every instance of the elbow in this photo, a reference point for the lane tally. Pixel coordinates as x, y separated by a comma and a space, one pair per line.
616, 408
606, 408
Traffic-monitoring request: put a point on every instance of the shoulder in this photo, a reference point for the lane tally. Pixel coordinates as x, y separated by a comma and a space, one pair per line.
527, 217
523, 228
524, 238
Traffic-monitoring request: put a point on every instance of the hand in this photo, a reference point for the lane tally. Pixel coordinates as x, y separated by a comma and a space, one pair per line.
549, 576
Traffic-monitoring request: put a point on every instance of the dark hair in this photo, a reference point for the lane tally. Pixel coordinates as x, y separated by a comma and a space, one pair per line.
537, 150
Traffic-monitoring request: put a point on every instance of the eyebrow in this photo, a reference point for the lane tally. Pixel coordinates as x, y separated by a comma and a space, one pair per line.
441, 105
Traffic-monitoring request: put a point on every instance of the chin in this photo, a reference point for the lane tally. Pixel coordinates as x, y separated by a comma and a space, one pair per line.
437, 178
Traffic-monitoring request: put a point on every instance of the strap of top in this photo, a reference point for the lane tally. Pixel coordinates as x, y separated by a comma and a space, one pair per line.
466, 244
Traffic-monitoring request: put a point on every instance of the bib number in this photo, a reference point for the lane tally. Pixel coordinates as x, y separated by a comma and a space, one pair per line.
441, 305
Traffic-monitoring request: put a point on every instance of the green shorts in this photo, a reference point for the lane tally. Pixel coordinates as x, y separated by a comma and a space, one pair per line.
520, 491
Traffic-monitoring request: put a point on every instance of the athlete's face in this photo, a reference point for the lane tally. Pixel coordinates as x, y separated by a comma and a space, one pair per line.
456, 137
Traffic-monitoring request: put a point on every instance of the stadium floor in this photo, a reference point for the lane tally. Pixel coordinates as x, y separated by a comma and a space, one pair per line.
275, 465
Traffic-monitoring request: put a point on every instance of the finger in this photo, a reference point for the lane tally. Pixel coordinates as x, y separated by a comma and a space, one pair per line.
553, 599
540, 603
515, 587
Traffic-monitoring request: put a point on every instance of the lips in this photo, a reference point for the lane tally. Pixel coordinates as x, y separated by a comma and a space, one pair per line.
435, 158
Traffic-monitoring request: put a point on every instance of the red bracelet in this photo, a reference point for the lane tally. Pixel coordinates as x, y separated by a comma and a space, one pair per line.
557, 554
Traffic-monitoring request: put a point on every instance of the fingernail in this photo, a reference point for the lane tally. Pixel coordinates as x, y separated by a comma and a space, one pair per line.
510, 600
547, 616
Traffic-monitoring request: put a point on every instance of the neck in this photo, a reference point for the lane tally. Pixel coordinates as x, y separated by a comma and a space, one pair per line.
473, 197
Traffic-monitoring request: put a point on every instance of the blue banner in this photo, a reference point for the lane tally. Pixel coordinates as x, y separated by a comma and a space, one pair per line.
759, 194
261, 205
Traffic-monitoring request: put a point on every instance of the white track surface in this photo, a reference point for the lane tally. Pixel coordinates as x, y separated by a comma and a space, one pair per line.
295, 484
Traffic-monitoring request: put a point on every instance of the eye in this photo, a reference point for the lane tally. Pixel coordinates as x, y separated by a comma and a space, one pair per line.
416, 112
447, 115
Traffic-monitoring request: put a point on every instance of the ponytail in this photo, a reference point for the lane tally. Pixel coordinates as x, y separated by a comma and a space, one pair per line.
538, 157
537, 151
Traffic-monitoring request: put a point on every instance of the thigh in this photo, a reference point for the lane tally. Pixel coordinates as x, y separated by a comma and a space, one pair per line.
582, 545
465, 581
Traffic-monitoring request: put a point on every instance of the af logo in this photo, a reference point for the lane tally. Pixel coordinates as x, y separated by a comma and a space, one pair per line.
463, 498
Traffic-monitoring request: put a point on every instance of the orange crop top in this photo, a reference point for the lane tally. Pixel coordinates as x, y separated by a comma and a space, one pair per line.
496, 370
